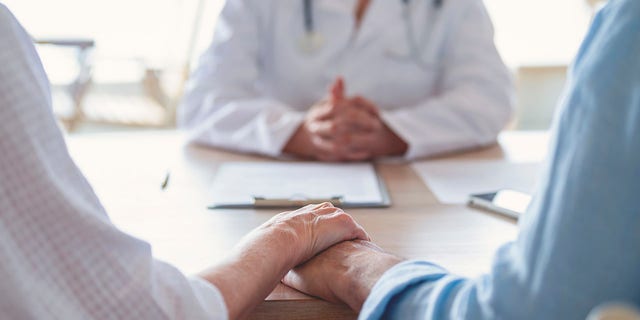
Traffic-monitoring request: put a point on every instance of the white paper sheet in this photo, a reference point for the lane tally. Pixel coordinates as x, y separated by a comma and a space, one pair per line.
452, 181
239, 182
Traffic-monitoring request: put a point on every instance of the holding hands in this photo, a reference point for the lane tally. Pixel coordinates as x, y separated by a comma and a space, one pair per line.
339, 128
266, 254
318, 249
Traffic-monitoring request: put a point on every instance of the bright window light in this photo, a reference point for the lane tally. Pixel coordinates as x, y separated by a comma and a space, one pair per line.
539, 32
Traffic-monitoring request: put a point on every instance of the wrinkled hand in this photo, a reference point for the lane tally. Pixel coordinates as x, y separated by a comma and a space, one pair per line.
345, 272
305, 232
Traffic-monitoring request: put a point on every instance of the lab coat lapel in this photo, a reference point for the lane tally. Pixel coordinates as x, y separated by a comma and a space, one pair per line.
379, 15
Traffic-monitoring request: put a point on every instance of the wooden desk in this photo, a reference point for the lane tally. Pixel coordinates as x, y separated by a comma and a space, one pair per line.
127, 170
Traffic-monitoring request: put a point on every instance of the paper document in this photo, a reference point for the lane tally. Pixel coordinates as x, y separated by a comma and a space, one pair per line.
452, 181
238, 184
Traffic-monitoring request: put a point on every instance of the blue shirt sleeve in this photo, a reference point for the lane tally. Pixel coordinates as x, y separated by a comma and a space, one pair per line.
579, 244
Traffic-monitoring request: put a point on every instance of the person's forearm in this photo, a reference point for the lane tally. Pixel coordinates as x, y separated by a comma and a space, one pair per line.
251, 272
360, 278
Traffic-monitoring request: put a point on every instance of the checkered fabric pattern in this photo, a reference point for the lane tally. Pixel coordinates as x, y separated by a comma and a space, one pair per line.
60, 256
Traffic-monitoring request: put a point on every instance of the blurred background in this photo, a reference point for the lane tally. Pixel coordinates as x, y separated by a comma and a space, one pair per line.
121, 64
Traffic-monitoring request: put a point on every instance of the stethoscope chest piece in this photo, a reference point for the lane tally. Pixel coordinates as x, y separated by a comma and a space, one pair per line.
311, 42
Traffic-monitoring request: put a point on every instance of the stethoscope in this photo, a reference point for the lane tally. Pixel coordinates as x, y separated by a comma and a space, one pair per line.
312, 41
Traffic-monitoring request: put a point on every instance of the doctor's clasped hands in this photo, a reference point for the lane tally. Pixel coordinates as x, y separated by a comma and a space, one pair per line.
341, 128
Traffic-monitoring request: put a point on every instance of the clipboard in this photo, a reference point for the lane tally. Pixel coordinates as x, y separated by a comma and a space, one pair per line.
271, 185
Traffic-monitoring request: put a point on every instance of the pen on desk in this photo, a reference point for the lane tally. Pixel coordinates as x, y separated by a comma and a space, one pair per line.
165, 182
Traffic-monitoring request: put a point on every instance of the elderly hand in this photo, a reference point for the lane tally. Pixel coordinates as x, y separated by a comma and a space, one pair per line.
305, 232
345, 272
344, 129
266, 254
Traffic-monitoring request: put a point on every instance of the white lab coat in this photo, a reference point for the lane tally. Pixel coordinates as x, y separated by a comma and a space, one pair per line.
253, 86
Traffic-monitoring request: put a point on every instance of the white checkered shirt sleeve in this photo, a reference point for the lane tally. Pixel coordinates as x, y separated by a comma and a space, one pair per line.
60, 256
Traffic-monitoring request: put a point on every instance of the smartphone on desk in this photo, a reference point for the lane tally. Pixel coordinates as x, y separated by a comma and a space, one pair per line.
507, 202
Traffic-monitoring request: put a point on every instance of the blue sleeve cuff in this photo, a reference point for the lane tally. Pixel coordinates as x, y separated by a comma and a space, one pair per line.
395, 281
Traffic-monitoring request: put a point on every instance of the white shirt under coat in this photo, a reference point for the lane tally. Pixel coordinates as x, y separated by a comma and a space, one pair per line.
254, 85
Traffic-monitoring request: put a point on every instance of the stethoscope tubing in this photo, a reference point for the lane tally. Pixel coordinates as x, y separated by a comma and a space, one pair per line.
308, 16
313, 40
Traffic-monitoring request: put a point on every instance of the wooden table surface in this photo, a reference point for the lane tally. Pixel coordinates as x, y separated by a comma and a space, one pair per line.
127, 170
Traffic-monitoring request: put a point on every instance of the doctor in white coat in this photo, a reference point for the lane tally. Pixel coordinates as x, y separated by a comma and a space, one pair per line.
351, 80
